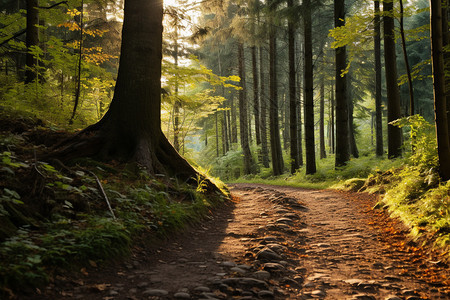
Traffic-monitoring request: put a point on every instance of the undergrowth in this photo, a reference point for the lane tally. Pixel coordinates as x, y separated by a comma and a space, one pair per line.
55, 217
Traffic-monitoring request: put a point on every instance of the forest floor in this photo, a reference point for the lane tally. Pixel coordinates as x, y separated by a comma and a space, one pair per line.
273, 242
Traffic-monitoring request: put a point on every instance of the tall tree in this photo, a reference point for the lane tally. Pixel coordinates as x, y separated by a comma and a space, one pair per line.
437, 58
243, 113
292, 93
445, 43
309, 90
32, 39
323, 153
131, 128
275, 142
342, 142
405, 57
390, 67
378, 109
263, 109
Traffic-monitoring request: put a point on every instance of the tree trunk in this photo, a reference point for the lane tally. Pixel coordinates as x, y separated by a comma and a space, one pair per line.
292, 95
131, 128
332, 122
275, 142
263, 112
437, 58
323, 153
378, 109
243, 114
393, 94
342, 143
234, 135
445, 42
216, 118
351, 130
256, 104
405, 57
309, 92
32, 39
299, 110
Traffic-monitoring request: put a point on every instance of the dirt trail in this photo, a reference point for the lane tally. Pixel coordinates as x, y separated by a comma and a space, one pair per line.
273, 243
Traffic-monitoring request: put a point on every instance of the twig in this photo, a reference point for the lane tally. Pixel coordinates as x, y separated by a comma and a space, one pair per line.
103, 192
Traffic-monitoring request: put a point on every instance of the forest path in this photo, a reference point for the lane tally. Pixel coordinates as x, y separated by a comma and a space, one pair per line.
273, 242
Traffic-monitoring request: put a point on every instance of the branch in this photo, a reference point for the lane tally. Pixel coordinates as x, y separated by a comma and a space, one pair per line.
103, 192
17, 34
51, 6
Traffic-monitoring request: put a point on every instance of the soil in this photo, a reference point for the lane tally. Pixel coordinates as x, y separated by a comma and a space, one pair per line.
273, 242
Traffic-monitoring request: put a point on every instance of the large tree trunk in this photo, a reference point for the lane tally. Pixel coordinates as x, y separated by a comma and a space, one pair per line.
275, 142
332, 127
131, 129
292, 94
234, 135
378, 109
445, 42
351, 130
440, 107
243, 114
263, 112
32, 39
393, 94
342, 143
309, 92
323, 153
299, 109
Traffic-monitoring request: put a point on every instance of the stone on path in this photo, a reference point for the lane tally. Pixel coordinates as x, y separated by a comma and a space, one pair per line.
155, 292
267, 254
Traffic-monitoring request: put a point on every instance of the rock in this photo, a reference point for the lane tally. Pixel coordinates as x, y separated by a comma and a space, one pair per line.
363, 297
409, 293
246, 282
261, 275
276, 247
318, 293
291, 282
266, 294
155, 292
267, 254
353, 282
392, 278
273, 267
229, 264
182, 295
142, 284
245, 267
284, 221
238, 270
113, 293
393, 298
202, 289
414, 298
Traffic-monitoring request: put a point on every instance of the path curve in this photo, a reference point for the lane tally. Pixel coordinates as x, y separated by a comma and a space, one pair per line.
273, 242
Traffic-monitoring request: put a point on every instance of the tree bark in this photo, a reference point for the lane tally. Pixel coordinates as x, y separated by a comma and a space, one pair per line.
405, 57
275, 142
234, 138
32, 39
332, 122
263, 111
243, 113
393, 94
351, 130
323, 153
342, 142
445, 42
378, 109
256, 104
292, 94
309, 91
437, 58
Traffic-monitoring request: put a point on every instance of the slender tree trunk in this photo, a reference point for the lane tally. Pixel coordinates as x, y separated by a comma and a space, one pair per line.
299, 107
216, 117
405, 56
243, 114
263, 112
79, 63
177, 103
323, 153
351, 130
32, 39
285, 118
445, 42
292, 95
234, 135
393, 94
378, 108
256, 104
440, 106
342, 143
309, 91
275, 142
332, 122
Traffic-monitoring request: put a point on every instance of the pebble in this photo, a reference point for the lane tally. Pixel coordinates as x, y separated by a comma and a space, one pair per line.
266, 294
363, 297
392, 278
229, 264
182, 295
245, 281
273, 267
393, 298
267, 254
261, 275
318, 293
155, 292
202, 289
238, 270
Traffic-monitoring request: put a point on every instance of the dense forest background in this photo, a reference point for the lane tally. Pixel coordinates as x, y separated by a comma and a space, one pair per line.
248, 87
